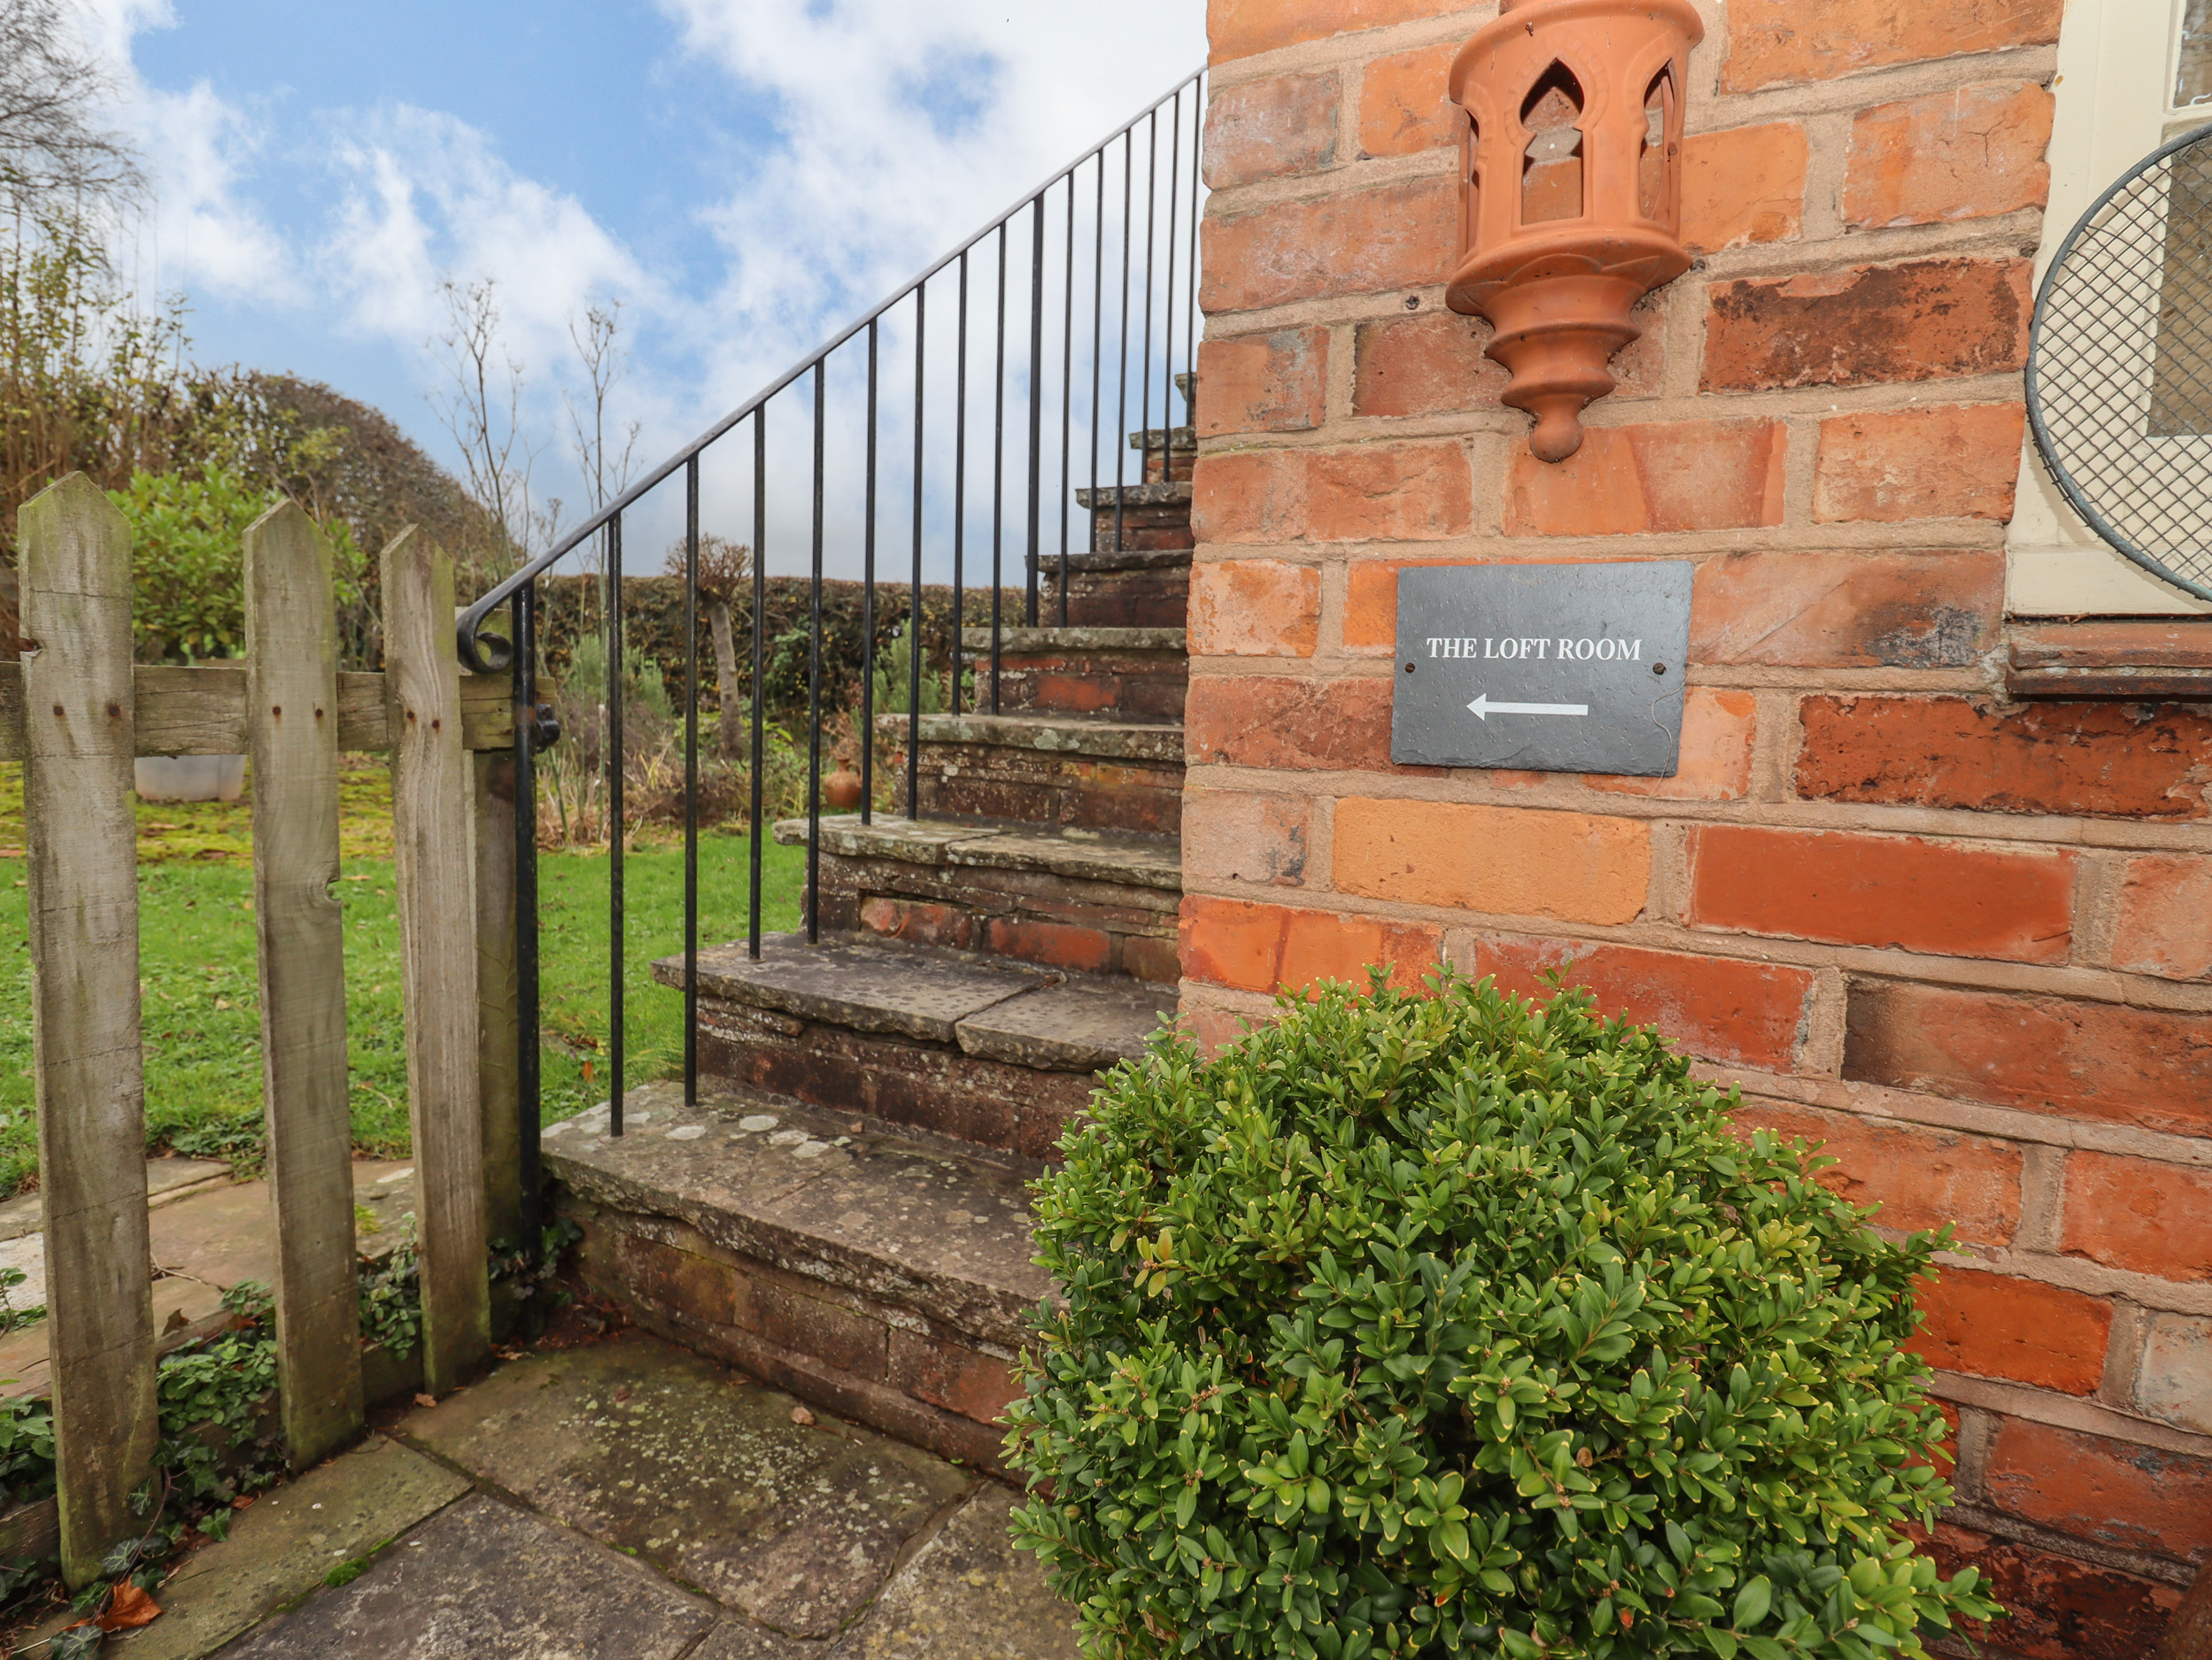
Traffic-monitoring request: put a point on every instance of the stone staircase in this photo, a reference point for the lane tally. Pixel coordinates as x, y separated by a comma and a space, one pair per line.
845, 1214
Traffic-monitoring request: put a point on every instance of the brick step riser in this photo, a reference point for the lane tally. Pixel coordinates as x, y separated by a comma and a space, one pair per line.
1027, 787
1133, 686
1125, 600
921, 1379
985, 1108
1030, 917
1143, 529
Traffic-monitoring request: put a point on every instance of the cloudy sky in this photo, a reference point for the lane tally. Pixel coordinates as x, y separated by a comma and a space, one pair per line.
743, 176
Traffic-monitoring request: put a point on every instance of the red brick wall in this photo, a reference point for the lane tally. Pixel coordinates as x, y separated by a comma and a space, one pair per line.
1967, 942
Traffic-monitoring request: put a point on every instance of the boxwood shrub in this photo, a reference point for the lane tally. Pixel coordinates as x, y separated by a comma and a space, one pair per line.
1451, 1323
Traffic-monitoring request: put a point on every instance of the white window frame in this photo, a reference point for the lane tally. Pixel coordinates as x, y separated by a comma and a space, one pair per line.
2117, 62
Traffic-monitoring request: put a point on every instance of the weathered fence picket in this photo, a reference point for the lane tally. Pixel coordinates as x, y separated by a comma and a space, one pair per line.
431, 790
292, 670
81, 842
76, 711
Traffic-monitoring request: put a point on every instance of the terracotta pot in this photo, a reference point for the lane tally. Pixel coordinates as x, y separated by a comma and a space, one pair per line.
841, 789
1572, 190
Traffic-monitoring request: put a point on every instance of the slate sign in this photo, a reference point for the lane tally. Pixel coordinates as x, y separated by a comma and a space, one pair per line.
1543, 668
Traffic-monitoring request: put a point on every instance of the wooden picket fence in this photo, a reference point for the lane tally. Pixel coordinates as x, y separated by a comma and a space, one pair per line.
76, 711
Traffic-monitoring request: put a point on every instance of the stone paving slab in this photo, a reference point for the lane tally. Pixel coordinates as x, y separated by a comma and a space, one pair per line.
700, 1472
1077, 1026
967, 1594
868, 988
484, 1581
281, 1546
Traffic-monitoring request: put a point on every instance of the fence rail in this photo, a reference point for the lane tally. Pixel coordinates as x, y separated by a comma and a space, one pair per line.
76, 711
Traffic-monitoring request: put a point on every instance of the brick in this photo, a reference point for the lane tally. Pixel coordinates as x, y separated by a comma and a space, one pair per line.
1847, 610
1929, 320
1254, 608
677, 1279
1675, 475
821, 1331
1503, 861
2175, 1380
2056, 1608
1742, 187
1240, 28
1403, 106
1433, 363
1942, 463
1952, 899
2165, 921
2125, 761
1998, 1326
1271, 382
1263, 129
1389, 492
1720, 732
1745, 1014
946, 1375
1783, 42
1295, 725
1150, 959
1919, 1177
1055, 944
1249, 495
1357, 242
917, 921
1261, 947
2139, 1214
1213, 1026
1243, 836
1964, 153
2148, 1067
2113, 1493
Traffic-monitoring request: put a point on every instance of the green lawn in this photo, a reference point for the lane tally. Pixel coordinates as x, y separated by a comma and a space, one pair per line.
201, 1003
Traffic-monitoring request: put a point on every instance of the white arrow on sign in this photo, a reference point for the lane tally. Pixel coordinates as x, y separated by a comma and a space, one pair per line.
1484, 708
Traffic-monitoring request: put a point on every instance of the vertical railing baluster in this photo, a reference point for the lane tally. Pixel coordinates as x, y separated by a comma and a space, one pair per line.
960, 482
1190, 282
1036, 403
915, 640
613, 623
868, 608
528, 1060
814, 670
1067, 399
1121, 344
998, 476
1167, 302
1151, 223
1098, 355
691, 782
758, 698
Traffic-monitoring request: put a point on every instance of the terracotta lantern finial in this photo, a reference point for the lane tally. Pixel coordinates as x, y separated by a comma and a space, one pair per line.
1572, 190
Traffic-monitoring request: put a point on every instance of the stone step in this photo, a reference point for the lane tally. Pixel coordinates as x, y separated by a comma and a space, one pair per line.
1088, 901
1152, 516
880, 1280
1054, 773
989, 1058
1135, 588
1138, 674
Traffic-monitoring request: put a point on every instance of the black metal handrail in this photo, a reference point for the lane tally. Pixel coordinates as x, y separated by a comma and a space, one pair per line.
1163, 220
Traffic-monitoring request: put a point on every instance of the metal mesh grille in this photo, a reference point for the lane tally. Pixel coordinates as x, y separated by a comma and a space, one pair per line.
2120, 379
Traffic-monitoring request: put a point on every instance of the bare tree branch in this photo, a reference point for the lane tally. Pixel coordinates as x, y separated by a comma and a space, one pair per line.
481, 407
52, 148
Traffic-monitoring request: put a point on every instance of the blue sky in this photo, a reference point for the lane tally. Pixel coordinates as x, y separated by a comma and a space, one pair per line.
741, 176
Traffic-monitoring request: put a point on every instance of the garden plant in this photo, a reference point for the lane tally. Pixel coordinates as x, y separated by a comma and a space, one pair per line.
1451, 1323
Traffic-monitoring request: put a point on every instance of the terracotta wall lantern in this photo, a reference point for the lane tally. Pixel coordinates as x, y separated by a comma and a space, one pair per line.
1572, 173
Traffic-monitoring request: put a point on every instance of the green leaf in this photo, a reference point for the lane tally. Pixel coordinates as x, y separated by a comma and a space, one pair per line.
1752, 1603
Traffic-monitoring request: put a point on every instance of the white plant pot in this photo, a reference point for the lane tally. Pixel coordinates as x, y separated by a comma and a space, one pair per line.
190, 777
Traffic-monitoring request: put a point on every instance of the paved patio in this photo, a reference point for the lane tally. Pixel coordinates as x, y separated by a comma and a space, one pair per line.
624, 1499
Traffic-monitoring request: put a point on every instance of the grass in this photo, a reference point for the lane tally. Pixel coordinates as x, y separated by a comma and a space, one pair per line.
200, 999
